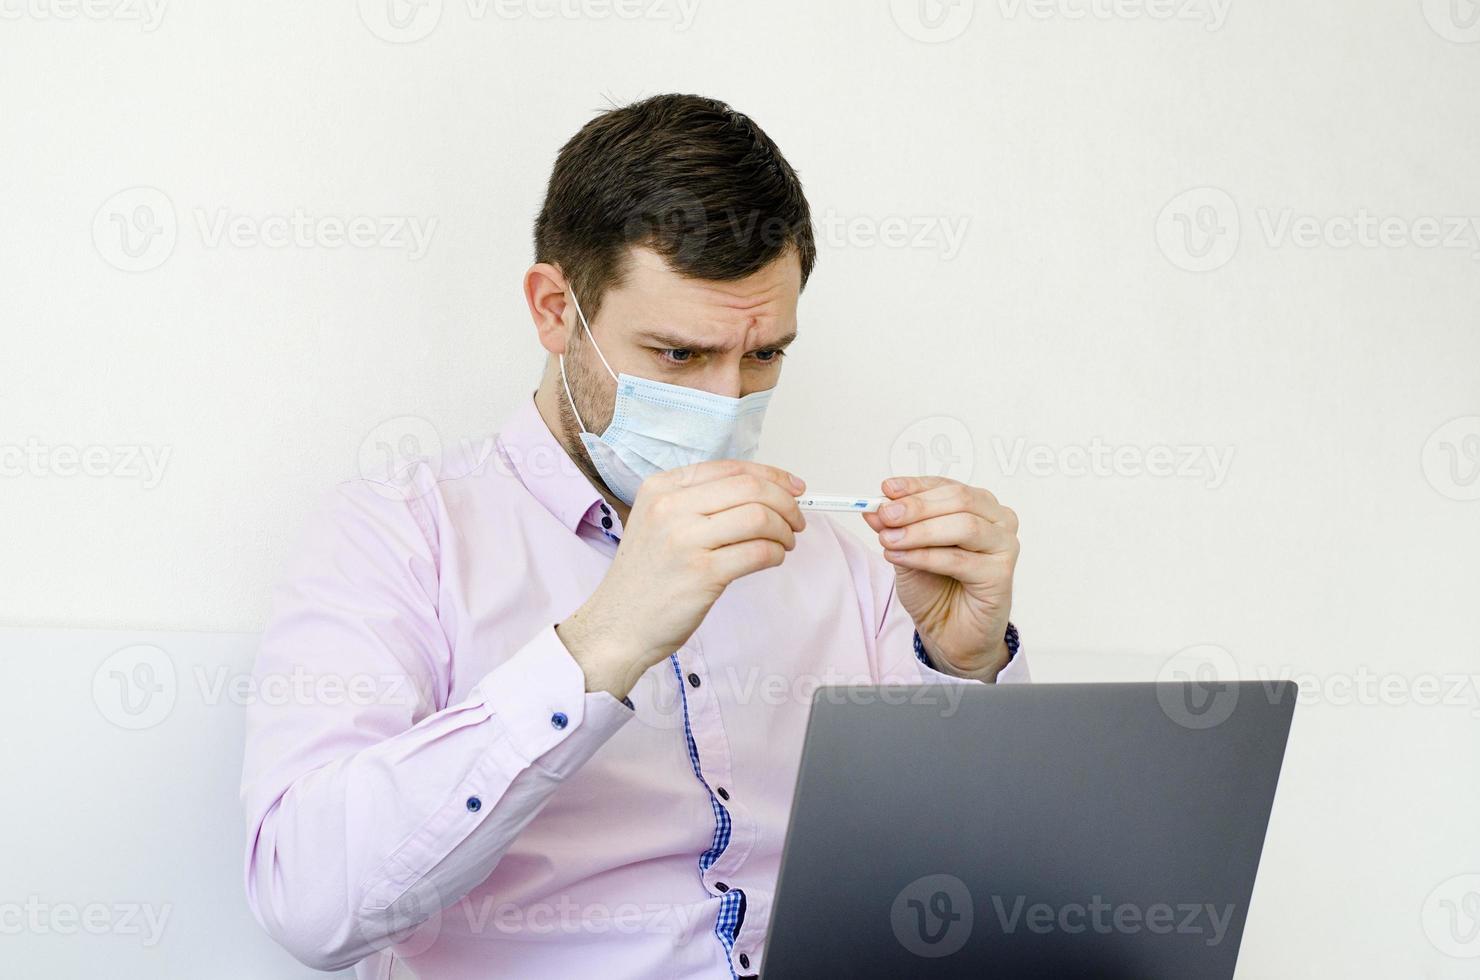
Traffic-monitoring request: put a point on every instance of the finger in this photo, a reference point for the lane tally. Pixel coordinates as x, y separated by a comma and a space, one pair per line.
746, 522
873, 520
960, 530
736, 560
901, 486
718, 469
1002, 516
732, 491
969, 567
948, 497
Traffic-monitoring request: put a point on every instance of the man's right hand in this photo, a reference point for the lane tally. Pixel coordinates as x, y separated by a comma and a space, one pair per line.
692, 531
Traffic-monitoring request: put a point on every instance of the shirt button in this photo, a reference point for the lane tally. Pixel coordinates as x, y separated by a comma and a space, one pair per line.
744, 962
605, 509
606, 522
559, 720
693, 680
720, 886
723, 793
474, 804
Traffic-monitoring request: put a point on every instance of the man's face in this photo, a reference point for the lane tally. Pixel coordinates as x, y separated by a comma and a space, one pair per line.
725, 338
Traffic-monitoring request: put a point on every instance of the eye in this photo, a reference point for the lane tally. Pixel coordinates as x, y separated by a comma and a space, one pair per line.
676, 355
769, 355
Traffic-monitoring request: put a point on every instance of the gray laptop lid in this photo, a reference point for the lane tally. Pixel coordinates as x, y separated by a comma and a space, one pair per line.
1044, 830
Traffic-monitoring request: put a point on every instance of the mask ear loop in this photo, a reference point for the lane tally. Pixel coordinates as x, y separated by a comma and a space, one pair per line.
577, 304
565, 381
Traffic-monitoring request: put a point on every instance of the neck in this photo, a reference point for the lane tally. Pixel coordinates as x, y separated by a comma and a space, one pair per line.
549, 400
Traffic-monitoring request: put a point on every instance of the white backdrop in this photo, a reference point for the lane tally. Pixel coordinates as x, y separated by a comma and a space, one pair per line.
1194, 285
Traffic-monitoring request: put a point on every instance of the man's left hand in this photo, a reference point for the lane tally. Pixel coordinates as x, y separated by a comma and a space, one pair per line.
954, 549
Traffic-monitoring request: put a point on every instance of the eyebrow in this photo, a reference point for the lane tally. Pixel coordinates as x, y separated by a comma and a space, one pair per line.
668, 340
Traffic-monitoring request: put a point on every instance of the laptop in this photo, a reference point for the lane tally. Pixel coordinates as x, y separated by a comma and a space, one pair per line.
1029, 831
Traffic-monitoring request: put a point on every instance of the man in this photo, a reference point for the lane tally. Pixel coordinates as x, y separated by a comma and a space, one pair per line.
583, 653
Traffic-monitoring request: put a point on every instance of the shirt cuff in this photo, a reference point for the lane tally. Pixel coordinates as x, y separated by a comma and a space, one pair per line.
1010, 638
540, 696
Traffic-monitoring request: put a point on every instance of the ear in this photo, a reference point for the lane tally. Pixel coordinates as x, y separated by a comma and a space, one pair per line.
545, 292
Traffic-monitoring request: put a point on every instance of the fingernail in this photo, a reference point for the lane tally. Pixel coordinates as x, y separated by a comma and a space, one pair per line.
892, 536
796, 484
893, 512
893, 486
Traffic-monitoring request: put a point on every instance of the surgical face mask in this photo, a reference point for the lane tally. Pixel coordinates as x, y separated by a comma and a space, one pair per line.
657, 426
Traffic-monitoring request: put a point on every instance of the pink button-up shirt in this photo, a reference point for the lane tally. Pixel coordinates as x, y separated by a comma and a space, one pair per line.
433, 793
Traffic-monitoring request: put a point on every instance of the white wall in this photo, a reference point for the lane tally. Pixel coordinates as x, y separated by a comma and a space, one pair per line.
121, 841
1339, 545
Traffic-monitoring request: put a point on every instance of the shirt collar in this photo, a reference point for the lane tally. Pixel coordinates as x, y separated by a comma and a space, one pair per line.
545, 469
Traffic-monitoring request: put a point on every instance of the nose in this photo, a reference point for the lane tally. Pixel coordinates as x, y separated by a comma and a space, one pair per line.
725, 378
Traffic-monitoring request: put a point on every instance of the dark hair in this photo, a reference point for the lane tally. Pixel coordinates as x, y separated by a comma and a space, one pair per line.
686, 176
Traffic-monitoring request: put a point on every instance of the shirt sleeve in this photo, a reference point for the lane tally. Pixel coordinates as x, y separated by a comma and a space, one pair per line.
371, 802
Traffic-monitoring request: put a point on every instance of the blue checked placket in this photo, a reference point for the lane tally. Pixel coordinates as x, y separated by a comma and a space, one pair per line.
732, 903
